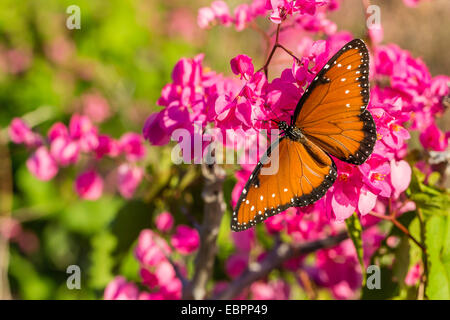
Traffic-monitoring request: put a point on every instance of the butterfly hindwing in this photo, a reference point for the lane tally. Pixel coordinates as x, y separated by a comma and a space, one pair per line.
304, 175
332, 112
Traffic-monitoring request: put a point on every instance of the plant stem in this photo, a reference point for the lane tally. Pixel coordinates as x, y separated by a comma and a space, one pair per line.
214, 209
280, 253
5, 213
397, 223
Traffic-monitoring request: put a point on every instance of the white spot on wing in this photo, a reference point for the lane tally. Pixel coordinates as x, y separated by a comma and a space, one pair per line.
347, 91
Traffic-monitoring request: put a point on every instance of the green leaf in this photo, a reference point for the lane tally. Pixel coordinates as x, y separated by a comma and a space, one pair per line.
401, 262
89, 217
354, 229
438, 258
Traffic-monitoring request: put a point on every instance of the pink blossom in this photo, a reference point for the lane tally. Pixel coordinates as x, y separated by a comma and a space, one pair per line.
205, 17
164, 221
64, 150
413, 275
164, 273
221, 12
57, 130
242, 16
273, 290
185, 240
18, 60
120, 289
107, 146
433, 138
236, 264
367, 201
128, 179
42, 165
400, 176
82, 129
132, 145
95, 107
242, 65
376, 33
244, 240
20, 132
89, 185
148, 278
374, 173
154, 132
172, 289
151, 249
10, 228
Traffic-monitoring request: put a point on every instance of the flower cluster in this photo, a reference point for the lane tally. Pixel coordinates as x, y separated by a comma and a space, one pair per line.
156, 270
81, 144
308, 14
405, 97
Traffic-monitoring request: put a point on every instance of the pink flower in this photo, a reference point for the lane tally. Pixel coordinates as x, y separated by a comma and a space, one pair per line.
120, 289
20, 132
154, 132
148, 278
205, 17
244, 240
10, 228
82, 129
433, 138
374, 173
242, 65
236, 264
242, 16
128, 179
95, 107
185, 240
151, 249
400, 176
107, 146
221, 12
413, 275
164, 273
273, 290
131, 144
164, 221
42, 165
376, 33
367, 201
57, 130
64, 150
89, 185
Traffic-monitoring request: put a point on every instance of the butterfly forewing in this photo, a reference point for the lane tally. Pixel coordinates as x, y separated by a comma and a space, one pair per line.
332, 113
304, 175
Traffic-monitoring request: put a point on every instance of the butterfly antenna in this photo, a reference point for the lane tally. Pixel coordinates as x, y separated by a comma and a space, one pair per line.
278, 119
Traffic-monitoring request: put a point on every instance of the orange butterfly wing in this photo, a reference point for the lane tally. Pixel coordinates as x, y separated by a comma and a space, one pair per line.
332, 112
304, 174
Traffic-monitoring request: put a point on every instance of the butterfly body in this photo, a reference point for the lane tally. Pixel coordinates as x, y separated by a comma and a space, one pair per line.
291, 132
330, 120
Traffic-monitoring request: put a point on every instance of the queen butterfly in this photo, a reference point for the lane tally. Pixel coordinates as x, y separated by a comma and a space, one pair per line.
330, 119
